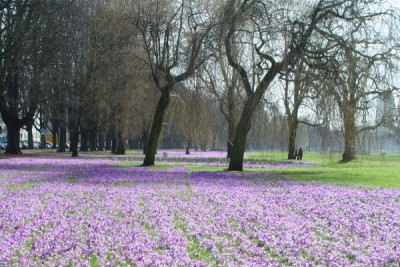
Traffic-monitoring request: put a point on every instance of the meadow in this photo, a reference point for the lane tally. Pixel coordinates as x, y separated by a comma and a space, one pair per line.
101, 210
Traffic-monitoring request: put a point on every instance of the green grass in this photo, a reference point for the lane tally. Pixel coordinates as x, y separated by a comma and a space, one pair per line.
374, 170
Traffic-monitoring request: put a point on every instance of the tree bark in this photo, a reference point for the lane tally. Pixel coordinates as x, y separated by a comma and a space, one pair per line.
62, 132
350, 134
242, 130
157, 125
292, 125
13, 130
187, 148
114, 145
121, 143
29, 129
74, 138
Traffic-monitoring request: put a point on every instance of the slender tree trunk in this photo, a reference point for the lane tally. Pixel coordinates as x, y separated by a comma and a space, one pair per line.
157, 125
62, 132
187, 148
29, 129
350, 134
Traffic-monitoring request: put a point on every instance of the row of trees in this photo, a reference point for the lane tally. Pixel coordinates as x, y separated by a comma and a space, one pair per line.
104, 70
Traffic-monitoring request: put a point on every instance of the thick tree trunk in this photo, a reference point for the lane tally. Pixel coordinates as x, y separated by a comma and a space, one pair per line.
13, 130
243, 128
156, 127
292, 125
121, 143
350, 134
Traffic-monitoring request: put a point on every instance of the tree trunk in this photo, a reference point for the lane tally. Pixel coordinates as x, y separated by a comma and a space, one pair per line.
156, 127
350, 134
187, 148
101, 141
62, 132
74, 138
29, 129
114, 145
54, 132
121, 143
243, 128
292, 125
13, 130
229, 148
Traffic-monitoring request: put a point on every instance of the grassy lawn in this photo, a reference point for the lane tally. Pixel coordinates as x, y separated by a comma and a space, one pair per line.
374, 170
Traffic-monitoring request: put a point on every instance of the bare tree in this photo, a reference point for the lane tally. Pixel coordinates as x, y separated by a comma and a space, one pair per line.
173, 36
363, 58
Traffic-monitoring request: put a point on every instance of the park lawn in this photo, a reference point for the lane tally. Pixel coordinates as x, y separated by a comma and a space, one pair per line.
360, 173
375, 170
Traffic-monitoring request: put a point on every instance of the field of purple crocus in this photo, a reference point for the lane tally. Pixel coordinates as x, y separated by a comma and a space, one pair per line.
87, 212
